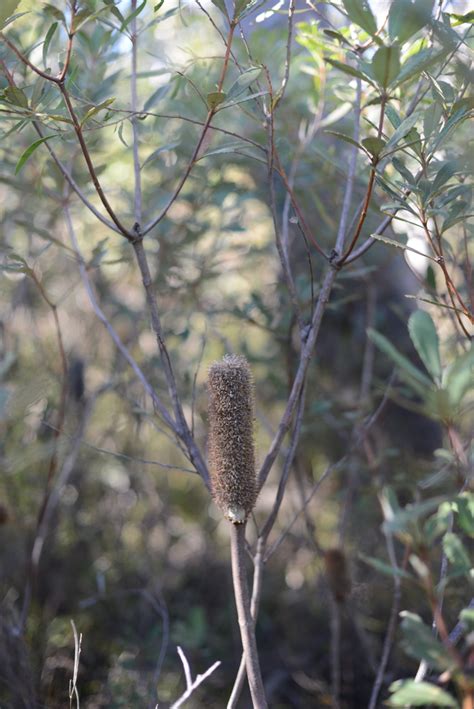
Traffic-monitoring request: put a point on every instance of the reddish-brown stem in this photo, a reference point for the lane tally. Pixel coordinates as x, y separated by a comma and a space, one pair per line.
197, 149
85, 152
451, 288
307, 231
67, 60
370, 187
26, 61
60, 82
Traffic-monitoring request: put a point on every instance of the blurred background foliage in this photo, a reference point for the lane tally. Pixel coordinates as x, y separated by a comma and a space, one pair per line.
136, 553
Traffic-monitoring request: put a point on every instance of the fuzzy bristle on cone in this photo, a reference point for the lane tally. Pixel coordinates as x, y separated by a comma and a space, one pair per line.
231, 442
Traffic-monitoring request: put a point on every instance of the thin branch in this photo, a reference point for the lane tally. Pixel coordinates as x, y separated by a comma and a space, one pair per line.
130, 235
286, 468
134, 121
180, 424
195, 683
187, 171
349, 188
112, 332
370, 186
282, 252
246, 622
392, 624
254, 606
305, 357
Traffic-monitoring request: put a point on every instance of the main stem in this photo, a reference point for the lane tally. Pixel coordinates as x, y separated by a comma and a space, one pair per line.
246, 623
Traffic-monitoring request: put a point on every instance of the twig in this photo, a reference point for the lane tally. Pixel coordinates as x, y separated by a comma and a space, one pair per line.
137, 201
254, 605
187, 171
349, 188
112, 332
391, 627
191, 685
73, 692
335, 653
246, 622
305, 357
179, 425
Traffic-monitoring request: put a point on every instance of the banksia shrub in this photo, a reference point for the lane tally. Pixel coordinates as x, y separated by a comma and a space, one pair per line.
337, 574
231, 442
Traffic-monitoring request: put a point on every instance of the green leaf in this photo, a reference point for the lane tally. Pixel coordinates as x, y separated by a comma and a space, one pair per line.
214, 98
425, 339
359, 12
418, 63
466, 617
30, 150
403, 129
392, 115
54, 12
439, 523
347, 139
243, 82
95, 109
240, 6
420, 643
348, 69
411, 374
132, 16
155, 97
462, 19
374, 146
407, 692
456, 555
407, 17
432, 119
16, 96
464, 506
158, 151
458, 379
403, 522
385, 568
403, 170
220, 4
7, 9
47, 42
386, 65
454, 120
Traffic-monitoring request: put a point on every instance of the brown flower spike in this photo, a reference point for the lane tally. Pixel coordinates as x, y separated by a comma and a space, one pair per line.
231, 442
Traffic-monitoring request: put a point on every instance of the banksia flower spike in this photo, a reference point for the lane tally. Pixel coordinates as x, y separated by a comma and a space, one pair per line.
231, 442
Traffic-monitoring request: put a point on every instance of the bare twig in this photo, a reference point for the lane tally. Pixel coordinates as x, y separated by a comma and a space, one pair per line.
112, 332
305, 357
392, 624
191, 684
246, 622
254, 605
73, 691
349, 187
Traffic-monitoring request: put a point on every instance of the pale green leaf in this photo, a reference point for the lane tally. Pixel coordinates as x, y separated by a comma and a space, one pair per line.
359, 12
29, 151
425, 339
418, 694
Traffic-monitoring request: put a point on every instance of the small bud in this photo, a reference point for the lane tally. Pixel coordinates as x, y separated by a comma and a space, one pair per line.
231, 443
337, 574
